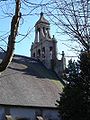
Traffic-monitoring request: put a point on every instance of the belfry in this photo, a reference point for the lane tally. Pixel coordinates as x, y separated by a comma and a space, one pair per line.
44, 47
42, 28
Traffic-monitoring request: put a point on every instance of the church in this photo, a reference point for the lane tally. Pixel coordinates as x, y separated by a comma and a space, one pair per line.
30, 86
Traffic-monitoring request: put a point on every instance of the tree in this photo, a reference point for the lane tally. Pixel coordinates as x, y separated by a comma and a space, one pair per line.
74, 103
75, 21
12, 37
73, 18
71, 71
27, 9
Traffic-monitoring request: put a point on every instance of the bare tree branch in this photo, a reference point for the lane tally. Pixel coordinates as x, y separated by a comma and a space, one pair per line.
73, 17
12, 37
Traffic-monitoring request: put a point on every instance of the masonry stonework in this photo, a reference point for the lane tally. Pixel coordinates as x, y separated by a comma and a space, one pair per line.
44, 48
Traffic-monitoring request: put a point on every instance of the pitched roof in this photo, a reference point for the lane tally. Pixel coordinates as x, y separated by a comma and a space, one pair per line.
26, 82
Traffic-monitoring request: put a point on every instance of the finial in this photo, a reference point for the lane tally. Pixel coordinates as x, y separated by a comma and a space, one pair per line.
63, 53
41, 14
53, 36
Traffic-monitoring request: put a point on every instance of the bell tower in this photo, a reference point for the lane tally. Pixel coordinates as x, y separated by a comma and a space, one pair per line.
42, 28
44, 47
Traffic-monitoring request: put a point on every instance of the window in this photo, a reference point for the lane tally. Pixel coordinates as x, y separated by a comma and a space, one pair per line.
43, 52
39, 53
33, 54
50, 48
38, 35
51, 53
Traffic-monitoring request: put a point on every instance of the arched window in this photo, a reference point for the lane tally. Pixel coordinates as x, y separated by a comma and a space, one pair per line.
50, 48
38, 34
43, 52
39, 53
33, 54
51, 53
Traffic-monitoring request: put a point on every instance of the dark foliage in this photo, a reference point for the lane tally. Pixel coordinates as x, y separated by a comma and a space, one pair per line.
74, 102
72, 71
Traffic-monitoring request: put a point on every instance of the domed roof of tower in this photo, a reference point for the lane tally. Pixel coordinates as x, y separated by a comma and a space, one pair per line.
42, 19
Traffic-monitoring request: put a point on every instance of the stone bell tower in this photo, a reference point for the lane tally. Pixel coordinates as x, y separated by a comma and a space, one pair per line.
44, 47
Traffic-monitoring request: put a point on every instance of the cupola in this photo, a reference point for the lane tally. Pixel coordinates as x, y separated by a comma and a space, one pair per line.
44, 47
42, 20
42, 29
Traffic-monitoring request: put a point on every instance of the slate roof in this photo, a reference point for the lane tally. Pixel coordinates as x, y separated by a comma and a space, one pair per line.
26, 82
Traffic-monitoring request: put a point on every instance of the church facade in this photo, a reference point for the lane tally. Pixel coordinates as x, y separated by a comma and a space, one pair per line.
44, 47
29, 87
28, 91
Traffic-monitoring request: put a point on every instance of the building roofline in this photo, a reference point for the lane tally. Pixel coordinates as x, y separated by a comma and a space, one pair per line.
25, 106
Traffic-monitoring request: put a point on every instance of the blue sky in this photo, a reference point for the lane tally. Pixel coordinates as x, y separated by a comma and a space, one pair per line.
22, 47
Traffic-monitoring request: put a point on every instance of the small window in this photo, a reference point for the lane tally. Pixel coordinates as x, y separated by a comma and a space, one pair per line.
51, 48
43, 52
33, 54
51, 54
43, 49
38, 34
39, 53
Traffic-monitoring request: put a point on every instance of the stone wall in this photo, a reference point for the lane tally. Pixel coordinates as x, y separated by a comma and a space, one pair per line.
27, 113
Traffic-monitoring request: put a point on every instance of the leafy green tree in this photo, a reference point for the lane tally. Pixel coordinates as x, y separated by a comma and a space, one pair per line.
74, 102
72, 70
